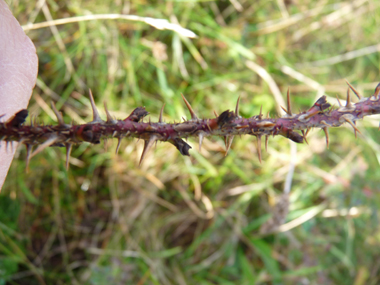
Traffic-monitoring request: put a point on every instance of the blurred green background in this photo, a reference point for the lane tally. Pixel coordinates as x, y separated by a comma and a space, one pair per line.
197, 220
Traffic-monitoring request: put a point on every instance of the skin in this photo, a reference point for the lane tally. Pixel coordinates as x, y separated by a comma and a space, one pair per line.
18, 75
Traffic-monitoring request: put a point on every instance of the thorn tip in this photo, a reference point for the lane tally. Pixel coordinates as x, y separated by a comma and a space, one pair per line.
192, 113
259, 147
353, 125
289, 111
95, 114
237, 107
109, 117
228, 142
147, 146
201, 136
161, 113
326, 130
354, 90
69, 147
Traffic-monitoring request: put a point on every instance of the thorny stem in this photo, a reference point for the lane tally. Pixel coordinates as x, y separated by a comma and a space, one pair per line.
228, 124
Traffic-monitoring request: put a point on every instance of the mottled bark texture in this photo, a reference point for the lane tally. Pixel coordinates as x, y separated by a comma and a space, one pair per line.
228, 124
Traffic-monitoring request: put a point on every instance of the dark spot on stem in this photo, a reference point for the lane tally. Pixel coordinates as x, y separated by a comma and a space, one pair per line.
18, 119
181, 145
89, 135
137, 114
225, 118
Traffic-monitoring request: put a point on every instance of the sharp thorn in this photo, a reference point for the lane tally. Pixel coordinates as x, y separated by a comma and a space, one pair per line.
228, 141
69, 147
201, 136
192, 113
95, 113
354, 90
147, 146
109, 117
237, 107
118, 144
304, 136
44, 145
377, 91
259, 147
161, 113
323, 122
261, 113
348, 100
266, 143
208, 126
326, 130
242, 127
311, 115
340, 104
289, 111
57, 114
352, 124
216, 114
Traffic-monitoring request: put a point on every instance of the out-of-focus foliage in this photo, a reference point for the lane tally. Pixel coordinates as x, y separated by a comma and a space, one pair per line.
180, 220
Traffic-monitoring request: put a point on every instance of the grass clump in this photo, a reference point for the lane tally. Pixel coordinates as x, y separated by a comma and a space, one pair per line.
197, 220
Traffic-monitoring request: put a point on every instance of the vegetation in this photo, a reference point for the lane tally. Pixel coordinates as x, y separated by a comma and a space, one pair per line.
208, 218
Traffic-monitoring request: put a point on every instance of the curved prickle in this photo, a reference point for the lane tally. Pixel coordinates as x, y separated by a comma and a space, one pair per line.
227, 125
